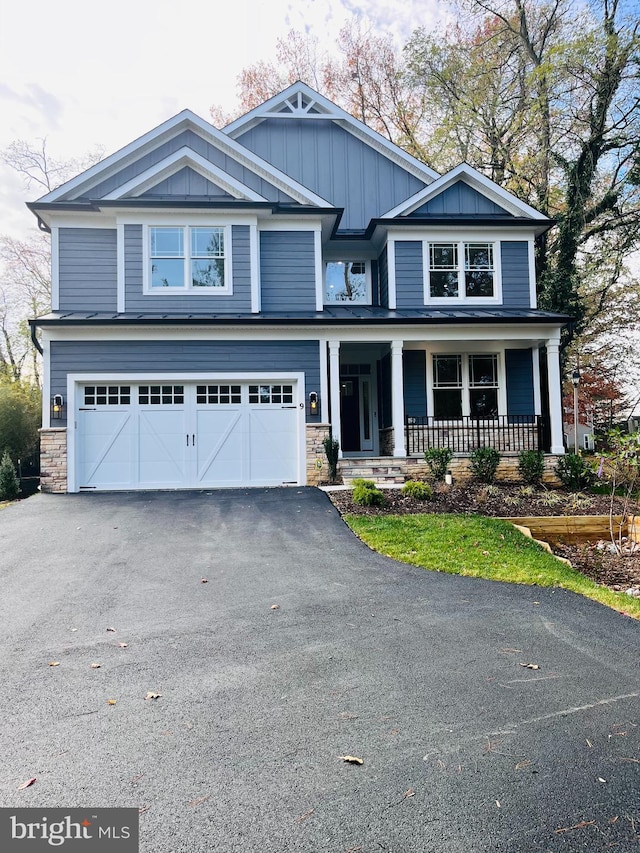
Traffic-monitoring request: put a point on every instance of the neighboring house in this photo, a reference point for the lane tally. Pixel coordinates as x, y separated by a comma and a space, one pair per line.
223, 298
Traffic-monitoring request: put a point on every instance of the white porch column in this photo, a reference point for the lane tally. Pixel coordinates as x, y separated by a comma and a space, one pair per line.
334, 384
555, 395
397, 399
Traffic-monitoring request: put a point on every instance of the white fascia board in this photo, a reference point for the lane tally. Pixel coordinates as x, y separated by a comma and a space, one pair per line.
328, 110
174, 163
476, 181
186, 120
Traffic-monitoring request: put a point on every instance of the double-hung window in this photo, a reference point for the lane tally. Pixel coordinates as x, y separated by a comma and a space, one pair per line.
461, 271
188, 258
465, 385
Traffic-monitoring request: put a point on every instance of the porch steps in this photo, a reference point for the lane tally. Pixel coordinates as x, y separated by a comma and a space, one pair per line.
382, 470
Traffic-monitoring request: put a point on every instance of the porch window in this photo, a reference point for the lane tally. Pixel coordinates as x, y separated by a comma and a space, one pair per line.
465, 384
188, 259
347, 281
461, 271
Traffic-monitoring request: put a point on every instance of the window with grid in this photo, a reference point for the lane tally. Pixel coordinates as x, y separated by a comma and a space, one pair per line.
187, 258
483, 386
265, 394
461, 270
107, 395
160, 395
447, 386
465, 385
218, 395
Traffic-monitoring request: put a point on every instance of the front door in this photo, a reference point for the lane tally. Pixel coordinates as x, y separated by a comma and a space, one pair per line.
357, 412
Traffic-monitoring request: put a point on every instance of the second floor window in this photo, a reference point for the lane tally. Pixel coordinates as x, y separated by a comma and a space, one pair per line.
188, 258
461, 271
347, 281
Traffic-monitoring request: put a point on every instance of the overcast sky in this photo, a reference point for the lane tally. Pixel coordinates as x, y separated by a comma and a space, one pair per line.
83, 74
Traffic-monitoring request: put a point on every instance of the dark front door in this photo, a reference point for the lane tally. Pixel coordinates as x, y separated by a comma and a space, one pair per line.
350, 413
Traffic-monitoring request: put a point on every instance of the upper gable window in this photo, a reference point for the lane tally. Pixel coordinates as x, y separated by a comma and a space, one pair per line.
188, 258
347, 281
461, 271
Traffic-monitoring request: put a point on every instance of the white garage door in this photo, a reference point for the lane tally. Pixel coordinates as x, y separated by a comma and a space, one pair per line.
191, 435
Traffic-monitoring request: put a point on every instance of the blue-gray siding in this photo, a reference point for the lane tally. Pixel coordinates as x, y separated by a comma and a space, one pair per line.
87, 263
383, 272
415, 383
287, 271
460, 200
239, 301
184, 357
409, 283
333, 163
519, 370
515, 274
187, 184
191, 140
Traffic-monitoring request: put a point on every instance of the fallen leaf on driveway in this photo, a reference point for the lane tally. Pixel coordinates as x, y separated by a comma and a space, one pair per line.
111, 701
96, 665
199, 800
351, 759
152, 695
54, 663
27, 784
306, 815
275, 607
409, 793
530, 665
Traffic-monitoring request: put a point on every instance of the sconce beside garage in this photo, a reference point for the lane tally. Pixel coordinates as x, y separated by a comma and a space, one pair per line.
313, 403
57, 407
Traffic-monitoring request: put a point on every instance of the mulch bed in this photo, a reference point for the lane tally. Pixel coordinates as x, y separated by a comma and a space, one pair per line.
596, 560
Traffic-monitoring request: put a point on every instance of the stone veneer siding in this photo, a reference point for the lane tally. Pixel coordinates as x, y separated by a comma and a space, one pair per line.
53, 459
460, 467
316, 473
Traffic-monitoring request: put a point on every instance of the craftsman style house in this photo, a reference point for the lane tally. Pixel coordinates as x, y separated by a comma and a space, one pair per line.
224, 298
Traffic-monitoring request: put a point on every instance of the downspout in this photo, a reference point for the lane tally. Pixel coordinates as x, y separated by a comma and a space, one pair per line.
34, 338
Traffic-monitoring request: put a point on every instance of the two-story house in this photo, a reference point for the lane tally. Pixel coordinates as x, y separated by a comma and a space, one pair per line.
224, 298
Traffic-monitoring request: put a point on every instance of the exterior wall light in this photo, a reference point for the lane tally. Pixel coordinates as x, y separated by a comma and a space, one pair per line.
57, 407
448, 478
313, 403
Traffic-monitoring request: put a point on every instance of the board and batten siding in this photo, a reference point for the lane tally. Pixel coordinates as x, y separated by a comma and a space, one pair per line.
189, 139
514, 256
409, 283
184, 357
519, 370
87, 269
459, 200
287, 271
332, 162
192, 303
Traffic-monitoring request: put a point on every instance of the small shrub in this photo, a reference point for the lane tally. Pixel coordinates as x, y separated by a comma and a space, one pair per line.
484, 463
531, 466
418, 490
574, 473
9, 483
527, 491
550, 499
366, 493
578, 502
438, 459
331, 449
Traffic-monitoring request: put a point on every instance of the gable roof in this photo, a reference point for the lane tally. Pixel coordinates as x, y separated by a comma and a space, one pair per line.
477, 181
302, 102
186, 120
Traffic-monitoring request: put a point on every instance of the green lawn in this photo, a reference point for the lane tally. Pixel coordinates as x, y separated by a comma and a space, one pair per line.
478, 547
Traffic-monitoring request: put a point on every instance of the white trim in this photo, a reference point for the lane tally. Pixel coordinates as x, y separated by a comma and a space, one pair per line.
391, 273
74, 380
55, 268
121, 269
397, 399
537, 393
282, 224
324, 381
46, 382
254, 262
187, 289
327, 110
172, 164
319, 268
334, 379
462, 298
531, 255
555, 395
474, 179
186, 120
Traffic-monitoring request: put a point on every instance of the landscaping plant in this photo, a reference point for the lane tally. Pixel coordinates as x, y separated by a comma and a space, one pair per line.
9, 483
418, 490
624, 466
484, 463
366, 493
531, 466
331, 449
438, 459
574, 472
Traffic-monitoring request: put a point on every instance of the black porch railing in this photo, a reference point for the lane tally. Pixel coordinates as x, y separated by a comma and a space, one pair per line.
506, 433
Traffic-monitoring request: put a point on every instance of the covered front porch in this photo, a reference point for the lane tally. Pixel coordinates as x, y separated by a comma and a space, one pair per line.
397, 398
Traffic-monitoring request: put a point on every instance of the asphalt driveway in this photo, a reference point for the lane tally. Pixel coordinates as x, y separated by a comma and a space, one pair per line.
417, 673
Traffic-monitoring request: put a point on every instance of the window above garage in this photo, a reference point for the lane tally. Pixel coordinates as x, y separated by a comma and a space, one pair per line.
187, 259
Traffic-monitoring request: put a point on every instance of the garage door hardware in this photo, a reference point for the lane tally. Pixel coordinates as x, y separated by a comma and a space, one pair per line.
193, 440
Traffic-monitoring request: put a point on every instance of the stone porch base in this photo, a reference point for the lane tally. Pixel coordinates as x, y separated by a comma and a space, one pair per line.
53, 459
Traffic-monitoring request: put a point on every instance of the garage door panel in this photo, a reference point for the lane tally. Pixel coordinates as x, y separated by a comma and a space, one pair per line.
162, 448
106, 457
273, 450
220, 447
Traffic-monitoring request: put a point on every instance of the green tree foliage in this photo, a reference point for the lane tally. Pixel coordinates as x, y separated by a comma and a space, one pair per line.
9, 483
19, 418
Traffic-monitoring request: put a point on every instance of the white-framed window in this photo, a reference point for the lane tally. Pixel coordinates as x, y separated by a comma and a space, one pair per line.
462, 271
347, 282
188, 258
465, 384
